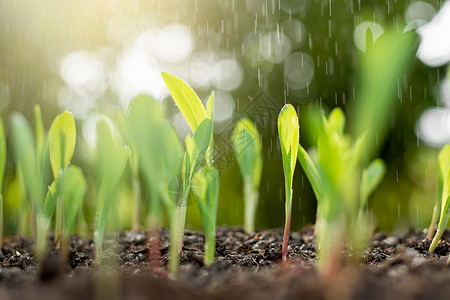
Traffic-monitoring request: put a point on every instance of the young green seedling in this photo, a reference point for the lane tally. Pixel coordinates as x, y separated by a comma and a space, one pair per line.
441, 208
172, 161
2, 172
25, 153
42, 151
112, 158
288, 131
196, 147
145, 136
247, 149
341, 187
206, 183
61, 138
134, 170
72, 191
157, 150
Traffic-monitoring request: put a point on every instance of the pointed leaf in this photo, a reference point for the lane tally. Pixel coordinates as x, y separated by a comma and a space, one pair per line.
39, 131
24, 149
444, 171
187, 100
370, 179
288, 131
210, 111
311, 172
247, 149
62, 138
73, 191
51, 198
201, 139
336, 122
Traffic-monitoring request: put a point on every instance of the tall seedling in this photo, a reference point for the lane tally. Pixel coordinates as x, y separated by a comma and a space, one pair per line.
134, 170
25, 153
112, 158
143, 127
206, 182
341, 186
72, 191
196, 147
158, 150
288, 131
247, 150
62, 139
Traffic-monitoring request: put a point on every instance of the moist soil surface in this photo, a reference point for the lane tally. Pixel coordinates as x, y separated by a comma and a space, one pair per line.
247, 266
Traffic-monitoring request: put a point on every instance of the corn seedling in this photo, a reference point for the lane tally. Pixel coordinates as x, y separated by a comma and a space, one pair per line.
61, 139
31, 176
111, 158
248, 153
441, 211
288, 131
157, 150
72, 192
143, 129
206, 182
196, 147
341, 186
134, 170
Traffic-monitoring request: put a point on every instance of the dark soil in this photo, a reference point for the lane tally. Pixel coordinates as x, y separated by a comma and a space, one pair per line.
246, 267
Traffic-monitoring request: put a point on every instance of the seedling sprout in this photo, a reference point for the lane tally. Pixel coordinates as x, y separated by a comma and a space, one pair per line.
196, 147
248, 153
288, 131
341, 186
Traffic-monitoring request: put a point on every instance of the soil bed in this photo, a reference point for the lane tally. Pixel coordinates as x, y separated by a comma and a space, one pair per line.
246, 267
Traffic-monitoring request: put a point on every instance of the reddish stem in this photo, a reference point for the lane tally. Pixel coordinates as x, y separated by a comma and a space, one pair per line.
154, 255
287, 228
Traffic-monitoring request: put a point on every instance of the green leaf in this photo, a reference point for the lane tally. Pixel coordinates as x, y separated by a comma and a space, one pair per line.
201, 140
39, 131
288, 131
187, 100
112, 159
247, 148
51, 198
172, 162
73, 191
371, 178
375, 104
445, 215
24, 149
444, 174
210, 106
210, 111
206, 183
335, 122
311, 172
62, 138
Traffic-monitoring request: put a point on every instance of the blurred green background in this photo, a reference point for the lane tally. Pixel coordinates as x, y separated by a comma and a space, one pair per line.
92, 57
